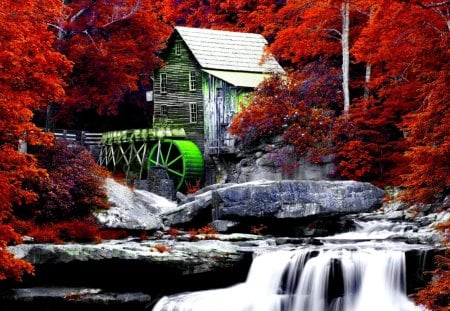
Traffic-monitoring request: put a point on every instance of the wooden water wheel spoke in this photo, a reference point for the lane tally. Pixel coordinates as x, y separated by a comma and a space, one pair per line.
174, 172
168, 152
182, 159
174, 160
152, 162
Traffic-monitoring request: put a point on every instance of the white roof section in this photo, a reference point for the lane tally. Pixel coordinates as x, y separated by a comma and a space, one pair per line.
227, 50
238, 78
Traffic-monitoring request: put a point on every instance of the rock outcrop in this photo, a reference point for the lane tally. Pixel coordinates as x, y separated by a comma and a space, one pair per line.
184, 257
295, 199
273, 161
124, 268
287, 199
133, 209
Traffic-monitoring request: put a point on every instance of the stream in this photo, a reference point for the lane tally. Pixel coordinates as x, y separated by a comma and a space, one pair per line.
364, 270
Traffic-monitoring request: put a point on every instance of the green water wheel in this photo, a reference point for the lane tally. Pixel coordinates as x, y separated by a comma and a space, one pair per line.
182, 159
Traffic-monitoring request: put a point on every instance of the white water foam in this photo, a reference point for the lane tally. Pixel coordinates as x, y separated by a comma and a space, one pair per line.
368, 279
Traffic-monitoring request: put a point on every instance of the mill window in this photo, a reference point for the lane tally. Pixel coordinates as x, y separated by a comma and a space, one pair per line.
192, 81
178, 48
163, 83
164, 110
193, 113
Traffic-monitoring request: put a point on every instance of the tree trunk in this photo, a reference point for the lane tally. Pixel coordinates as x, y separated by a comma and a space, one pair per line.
366, 81
368, 69
345, 10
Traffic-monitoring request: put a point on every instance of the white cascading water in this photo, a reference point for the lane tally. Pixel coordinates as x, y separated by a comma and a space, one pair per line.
354, 277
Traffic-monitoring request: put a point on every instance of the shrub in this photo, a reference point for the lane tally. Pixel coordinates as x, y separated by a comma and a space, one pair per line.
45, 234
209, 232
73, 188
84, 230
173, 232
436, 295
161, 248
192, 188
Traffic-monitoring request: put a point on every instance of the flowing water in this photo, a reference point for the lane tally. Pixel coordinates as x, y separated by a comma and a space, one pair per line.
337, 276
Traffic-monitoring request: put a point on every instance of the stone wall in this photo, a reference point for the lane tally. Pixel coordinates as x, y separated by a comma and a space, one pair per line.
269, 163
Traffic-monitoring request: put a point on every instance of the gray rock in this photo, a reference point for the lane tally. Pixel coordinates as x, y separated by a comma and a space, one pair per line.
223, 225
186, 257
186, 212
82, 296
181, 197
287, 199
295, 199
133, 209
269, 162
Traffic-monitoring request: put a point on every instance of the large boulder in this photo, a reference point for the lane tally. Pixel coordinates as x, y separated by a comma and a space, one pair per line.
286, 199
295, 199
133, 209
194, 208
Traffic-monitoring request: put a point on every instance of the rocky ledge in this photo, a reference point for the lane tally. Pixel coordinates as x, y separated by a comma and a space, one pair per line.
207, 253
287, 202
71, 298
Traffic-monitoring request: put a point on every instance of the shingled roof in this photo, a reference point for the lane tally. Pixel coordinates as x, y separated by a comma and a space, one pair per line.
230, 51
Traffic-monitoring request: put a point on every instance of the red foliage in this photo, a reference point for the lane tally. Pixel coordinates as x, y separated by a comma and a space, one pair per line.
207, 230
408, 98
278, 108
74, 187
436, 295
193, 188
143, 235
114, 47
193, 235
11, 267
234, 15
259, 229
77, 230
31, 75
45, 234
368, 144
173, 232
161, 248
113, 234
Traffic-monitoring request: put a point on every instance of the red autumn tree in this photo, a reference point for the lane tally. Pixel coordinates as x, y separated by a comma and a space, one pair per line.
234, 15
114, 46
405, 46
30, 77
321, 34
278, 108
427, 126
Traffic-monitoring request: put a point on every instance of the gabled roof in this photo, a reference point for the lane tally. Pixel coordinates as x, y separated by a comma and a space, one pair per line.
239, 78
230, 51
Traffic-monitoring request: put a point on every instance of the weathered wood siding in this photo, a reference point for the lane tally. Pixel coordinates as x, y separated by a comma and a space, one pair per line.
220, 106
178, 96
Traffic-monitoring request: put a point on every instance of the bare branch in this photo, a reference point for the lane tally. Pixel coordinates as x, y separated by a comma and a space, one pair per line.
116, 19
89, 35
80, 12
56, 26
432, 5
335, 31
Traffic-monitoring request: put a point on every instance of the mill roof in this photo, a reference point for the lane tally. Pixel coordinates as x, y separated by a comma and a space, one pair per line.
229, 51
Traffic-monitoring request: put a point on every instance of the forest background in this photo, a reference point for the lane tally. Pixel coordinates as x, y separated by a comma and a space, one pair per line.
367, 83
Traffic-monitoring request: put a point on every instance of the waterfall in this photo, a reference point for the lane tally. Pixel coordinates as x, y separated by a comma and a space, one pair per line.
345, 278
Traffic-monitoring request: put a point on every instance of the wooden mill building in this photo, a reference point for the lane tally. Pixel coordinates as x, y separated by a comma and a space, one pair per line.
206, 74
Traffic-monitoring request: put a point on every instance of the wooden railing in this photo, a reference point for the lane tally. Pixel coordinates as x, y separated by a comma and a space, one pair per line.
79, 137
